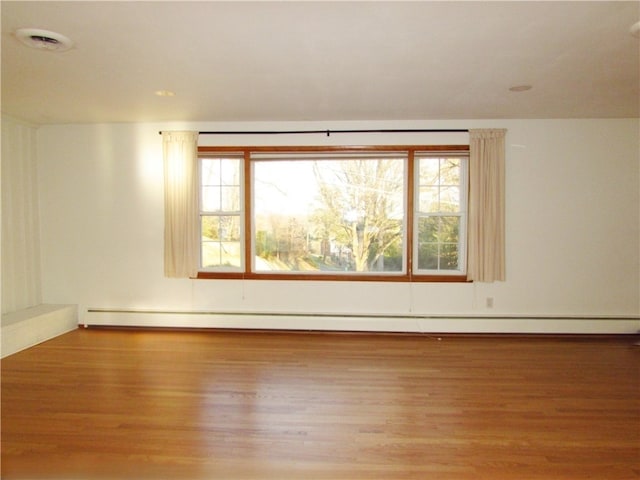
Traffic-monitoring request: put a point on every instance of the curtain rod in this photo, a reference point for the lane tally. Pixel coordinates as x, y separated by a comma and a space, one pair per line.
329, 132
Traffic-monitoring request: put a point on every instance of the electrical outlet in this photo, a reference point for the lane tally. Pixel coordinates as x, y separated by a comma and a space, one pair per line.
489, 302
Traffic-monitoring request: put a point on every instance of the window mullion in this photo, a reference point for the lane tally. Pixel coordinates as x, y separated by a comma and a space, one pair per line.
248, 212
410, 211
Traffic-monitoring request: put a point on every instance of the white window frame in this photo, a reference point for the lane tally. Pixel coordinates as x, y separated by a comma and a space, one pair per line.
240, 213
462, 214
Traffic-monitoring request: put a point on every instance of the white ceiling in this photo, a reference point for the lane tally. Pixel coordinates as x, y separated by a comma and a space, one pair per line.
261, 61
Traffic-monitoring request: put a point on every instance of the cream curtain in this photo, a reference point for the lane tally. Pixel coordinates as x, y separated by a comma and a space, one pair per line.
181, 245
486, 229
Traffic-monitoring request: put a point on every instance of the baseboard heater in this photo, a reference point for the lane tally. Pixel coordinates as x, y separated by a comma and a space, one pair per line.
409, 323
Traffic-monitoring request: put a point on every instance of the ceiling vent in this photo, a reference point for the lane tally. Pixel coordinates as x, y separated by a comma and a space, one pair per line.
43, 39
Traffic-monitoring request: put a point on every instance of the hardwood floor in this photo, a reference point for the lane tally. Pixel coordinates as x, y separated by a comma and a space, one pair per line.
255, 405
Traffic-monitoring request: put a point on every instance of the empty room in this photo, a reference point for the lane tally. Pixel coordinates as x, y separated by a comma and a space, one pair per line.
320, 240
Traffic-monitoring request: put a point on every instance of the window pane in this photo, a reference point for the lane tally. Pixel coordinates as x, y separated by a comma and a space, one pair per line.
220, 180
449, 199
210, 171
428, 228
221, 245
449, 256
449, 229
230, 198
438, 243
429, 201
429, 171
428, 256
229, 171
221, 171
211, 199
449, 171
329, 215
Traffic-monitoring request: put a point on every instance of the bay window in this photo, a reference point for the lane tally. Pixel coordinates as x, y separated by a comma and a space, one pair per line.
342, 213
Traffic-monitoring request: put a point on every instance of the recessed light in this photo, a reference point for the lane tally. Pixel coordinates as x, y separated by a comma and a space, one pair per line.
43, 39
165, 93
520, 88
635, 30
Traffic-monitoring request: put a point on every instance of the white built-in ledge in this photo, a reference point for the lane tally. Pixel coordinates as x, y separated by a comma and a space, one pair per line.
28, 327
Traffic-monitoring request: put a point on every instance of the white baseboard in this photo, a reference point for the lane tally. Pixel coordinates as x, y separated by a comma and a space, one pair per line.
28, 327
362, 323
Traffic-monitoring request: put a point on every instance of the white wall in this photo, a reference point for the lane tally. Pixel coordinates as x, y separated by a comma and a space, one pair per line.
21, 279
573, 241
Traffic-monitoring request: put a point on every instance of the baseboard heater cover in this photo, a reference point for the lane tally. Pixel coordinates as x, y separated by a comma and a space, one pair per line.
410, 323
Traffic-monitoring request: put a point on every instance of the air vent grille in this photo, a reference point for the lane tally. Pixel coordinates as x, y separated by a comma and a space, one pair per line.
43, 39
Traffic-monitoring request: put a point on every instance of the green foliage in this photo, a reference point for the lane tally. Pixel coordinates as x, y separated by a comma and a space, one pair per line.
438, 242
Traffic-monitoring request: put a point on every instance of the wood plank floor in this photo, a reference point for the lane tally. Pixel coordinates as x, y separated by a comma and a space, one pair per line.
257, 405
